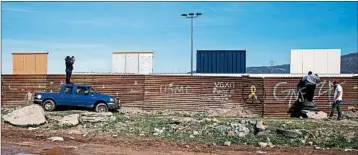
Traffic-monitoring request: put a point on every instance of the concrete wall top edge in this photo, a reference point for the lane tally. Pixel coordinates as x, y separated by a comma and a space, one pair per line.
144, 52
21, 53
219, 75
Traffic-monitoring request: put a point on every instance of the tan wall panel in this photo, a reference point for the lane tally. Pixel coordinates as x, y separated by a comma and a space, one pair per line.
18, 64
41, 64
30, 65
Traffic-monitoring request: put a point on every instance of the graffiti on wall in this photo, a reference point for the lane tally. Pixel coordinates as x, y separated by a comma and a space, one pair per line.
291, 94
137, 91
253, 93
225, 90
171, 88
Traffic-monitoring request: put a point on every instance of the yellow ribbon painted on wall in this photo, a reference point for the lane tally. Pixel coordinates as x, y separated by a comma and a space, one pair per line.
253, 92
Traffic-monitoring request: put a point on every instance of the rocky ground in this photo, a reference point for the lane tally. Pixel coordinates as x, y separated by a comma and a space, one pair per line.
133, 131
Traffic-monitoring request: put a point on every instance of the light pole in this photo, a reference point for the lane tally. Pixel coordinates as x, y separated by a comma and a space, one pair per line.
191, 16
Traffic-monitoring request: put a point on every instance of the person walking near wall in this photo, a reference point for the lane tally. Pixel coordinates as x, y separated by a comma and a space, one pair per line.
338, 96
310, 81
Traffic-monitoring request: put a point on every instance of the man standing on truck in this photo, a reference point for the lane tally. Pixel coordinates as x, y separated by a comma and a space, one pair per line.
69, 67
338, 96
310, 82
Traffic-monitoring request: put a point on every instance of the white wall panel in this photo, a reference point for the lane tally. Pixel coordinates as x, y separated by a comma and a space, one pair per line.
119, 63
308, 61
334, 61
145, 63
321, 61
132, 65
296, 62
135, 62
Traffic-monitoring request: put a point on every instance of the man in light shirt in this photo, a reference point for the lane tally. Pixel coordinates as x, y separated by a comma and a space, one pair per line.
310, 82
338, 95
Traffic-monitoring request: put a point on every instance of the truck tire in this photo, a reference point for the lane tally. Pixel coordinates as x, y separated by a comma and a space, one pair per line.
101, 107
49, 105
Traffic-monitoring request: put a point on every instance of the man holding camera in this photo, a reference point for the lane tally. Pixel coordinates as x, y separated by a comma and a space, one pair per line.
69, 61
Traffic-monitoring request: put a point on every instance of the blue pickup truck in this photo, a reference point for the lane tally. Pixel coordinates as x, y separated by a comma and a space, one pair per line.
77, 96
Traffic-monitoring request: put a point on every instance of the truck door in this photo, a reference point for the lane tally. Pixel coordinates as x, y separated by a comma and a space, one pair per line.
67, 96
82, 98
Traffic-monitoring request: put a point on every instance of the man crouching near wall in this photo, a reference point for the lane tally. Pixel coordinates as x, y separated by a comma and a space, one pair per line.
338, 96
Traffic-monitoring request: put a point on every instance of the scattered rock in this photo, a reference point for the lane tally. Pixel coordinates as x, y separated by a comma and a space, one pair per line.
215, 120
269, 142
158, 131
259, 126
70, 120
191, 136
240, 130
315, 114
56, 139
231, 133
186, 121
349, 136
350, 114
132, 111
261, 152
289, 133
263, 133
311, 143
262, 144
80, 130
54, 118
173, 121
94, 117
227, 143
237, 111
303, 141
252, 122
346, 150
32, 115
222, 128
317, 148
243, 122
195, 133
114, 136
211, 120
31, 128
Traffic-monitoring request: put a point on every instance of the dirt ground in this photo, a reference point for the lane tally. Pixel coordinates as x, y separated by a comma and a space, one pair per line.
21, 140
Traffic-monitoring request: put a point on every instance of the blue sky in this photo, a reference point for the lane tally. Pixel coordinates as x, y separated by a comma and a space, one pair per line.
91, 31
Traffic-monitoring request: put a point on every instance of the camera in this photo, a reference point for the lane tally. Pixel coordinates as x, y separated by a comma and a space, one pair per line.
70, 60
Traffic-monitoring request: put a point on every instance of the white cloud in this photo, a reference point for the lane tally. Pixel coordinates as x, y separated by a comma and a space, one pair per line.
14, 9
120, 22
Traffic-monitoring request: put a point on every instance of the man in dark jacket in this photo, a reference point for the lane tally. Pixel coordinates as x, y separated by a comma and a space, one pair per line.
310, 85
69, 67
